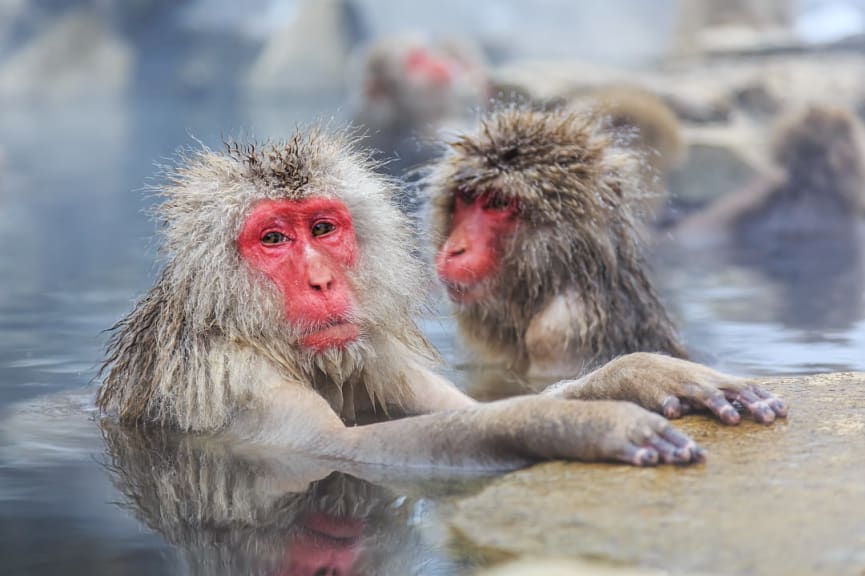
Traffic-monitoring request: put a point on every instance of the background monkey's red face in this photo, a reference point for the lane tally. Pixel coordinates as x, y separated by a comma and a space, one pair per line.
472, 252
306, 247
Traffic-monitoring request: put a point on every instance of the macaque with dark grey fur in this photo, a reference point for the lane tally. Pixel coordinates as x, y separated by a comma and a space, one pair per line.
536, 237
819, 187
284, 316
803, 227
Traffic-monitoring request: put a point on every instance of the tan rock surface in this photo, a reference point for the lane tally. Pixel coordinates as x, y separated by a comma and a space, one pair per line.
784, 499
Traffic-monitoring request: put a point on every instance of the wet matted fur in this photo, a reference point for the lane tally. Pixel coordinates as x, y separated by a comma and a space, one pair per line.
190, 352
578, 188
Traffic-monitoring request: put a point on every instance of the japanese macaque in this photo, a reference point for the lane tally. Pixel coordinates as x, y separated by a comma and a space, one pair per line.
819, 187
408, 90
534, 225
284, 317
228, 514
810, 213
650, 127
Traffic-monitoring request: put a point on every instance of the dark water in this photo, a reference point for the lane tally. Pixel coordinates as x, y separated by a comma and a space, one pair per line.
76, 250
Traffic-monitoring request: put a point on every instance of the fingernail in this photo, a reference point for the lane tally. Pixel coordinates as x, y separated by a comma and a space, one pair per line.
730, 414
648, 457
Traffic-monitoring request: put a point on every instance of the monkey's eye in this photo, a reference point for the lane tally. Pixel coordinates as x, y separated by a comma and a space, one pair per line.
497, 202
322, 228
271, 238
466, 194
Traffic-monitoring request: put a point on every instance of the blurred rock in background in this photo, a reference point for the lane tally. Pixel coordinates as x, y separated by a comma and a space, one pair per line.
726, 69
78, 54
310, 52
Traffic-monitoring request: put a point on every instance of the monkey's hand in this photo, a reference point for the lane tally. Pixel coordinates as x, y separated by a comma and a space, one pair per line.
673, 387
595, 431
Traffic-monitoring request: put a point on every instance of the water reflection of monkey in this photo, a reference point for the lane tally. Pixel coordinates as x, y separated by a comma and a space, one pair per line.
234, 514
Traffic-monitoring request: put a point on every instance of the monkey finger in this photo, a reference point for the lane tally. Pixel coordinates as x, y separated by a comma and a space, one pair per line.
671, 407
776, 403
668, 452
639, 456
719, 405
689, 451
760, 409
746, 397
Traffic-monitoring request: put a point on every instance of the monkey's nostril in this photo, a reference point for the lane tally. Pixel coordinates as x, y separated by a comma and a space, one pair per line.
321, 284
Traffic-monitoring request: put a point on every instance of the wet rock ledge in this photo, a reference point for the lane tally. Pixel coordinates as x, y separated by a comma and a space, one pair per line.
785, 499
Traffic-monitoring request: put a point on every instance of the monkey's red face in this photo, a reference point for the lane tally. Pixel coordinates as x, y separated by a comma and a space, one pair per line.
421, 66
326, 545
306, 247
472, 253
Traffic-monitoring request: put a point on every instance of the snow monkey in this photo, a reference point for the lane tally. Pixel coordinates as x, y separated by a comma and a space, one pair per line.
283, 319
812, 209
532, 220
411, 87
819, 188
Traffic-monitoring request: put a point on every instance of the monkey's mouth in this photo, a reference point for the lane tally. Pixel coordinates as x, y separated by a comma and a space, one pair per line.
466, 293
337, 334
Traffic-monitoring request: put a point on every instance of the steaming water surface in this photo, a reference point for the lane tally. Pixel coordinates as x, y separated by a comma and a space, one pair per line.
75, 252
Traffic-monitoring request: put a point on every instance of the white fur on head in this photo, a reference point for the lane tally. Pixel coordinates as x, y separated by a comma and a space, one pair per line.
187, 354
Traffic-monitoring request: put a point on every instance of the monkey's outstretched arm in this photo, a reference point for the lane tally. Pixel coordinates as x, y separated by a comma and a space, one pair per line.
711, 226
431, 392
500, 435
673, 387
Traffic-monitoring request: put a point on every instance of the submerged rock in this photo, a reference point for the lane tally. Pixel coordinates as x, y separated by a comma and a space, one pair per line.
783, 499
